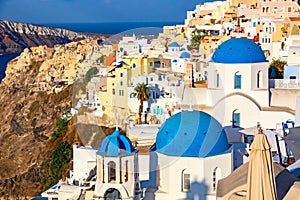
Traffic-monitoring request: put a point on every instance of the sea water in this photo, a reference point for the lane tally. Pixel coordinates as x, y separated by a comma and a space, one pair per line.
4, 59
113, 27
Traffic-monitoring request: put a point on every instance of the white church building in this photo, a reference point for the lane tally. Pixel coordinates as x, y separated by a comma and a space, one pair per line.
238, 87
117, 169
190, 155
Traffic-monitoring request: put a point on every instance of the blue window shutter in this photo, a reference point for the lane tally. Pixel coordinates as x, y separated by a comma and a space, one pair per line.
236, 119
237, 81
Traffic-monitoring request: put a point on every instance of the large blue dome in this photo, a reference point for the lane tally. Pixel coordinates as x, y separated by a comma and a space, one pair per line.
191, 134
238, 50
116, 145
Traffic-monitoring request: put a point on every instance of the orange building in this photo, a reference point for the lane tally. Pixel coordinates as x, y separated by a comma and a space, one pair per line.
108, 60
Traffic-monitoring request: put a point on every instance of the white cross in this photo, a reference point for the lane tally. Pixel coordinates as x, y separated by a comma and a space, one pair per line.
117, 125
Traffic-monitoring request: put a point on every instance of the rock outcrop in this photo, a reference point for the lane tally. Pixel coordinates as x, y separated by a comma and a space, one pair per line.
15, 36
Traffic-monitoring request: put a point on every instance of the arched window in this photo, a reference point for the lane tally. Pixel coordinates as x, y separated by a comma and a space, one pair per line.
236, 118
111, 171
237, 80
185, 181
259, 82
131, 95
216, 177
112, 193
126, 170
217, 79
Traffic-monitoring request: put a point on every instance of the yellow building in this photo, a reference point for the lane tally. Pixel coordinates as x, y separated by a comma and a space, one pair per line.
289, 23
278, 34
139, 66
116, 89
115, 97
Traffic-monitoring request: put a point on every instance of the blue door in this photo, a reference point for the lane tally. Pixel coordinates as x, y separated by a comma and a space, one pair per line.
237, 81
236, 119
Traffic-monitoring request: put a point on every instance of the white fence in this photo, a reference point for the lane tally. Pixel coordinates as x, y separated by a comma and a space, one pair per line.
287, 83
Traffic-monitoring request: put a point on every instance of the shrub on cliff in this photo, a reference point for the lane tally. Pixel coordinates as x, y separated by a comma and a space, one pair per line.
60, 158
100, 59
60, 127
90, 73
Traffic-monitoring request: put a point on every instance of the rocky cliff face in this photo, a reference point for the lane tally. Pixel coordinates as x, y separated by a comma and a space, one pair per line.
14, 36
29, 109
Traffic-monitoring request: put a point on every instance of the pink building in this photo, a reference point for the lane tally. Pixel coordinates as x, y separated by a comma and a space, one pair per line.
278, 8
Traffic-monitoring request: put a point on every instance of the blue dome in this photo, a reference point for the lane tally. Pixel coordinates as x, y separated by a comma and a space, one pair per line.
185, 55
191, 134
174, 44
238, 50
115, 145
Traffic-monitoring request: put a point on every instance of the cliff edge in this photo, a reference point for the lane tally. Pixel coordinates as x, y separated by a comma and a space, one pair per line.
31, 103
16, 36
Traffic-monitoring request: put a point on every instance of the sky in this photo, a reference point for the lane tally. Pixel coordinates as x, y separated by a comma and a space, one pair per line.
95, 11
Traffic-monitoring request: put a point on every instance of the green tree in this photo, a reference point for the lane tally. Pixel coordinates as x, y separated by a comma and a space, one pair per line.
141, 91
195, 42
276, 68
90, 73
100, 59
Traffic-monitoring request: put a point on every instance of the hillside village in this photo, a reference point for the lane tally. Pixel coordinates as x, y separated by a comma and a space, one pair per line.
232, 65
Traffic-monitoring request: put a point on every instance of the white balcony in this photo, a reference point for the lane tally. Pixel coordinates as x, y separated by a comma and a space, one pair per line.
287, 84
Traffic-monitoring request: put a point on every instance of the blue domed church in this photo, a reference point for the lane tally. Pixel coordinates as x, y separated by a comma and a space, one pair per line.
238, 83
190, 155
117, 169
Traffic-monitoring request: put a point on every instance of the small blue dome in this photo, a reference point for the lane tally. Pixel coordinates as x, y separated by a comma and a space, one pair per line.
174, 44
115, 145
185, 55
191, 134
238, 50
174, 60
